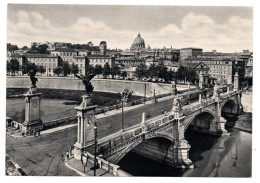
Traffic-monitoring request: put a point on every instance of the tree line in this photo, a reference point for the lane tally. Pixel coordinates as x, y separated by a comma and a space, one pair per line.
156, 72
65, 68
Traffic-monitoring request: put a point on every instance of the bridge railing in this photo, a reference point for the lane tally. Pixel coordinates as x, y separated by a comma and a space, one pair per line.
101, 163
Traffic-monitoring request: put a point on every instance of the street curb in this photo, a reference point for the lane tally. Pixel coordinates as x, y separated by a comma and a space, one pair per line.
18, 168
75, 170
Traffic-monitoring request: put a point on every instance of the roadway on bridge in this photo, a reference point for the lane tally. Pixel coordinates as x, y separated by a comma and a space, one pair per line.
43, 155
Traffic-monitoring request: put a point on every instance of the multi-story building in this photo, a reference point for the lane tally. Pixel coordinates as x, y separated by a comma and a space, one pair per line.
129, 61
47, 61
101, 60
83, 52
189, 52
66, 54
223, 69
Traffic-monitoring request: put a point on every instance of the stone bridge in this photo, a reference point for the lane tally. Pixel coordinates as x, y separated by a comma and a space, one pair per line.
148, 137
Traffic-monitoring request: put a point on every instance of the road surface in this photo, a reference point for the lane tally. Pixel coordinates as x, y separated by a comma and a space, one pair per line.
40, 156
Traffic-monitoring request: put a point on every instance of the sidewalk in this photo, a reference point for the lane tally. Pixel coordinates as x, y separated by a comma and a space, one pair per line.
77, 166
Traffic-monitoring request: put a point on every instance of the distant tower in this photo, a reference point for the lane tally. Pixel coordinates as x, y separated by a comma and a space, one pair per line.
103, 47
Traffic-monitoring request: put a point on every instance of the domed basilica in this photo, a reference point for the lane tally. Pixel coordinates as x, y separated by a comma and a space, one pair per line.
138, 44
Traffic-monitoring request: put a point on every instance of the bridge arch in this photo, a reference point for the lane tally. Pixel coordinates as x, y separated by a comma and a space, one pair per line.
140, 141
208, 113
231, 102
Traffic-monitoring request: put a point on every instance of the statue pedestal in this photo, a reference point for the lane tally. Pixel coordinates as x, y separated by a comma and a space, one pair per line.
86, 126
33, 122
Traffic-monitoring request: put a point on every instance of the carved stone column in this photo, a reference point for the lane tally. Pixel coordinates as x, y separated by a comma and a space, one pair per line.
33, 122
143, 123
201, 80
181, 147
86, 121
236, 82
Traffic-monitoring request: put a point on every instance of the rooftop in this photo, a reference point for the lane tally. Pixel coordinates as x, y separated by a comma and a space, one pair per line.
191, 48
64, 50
39, 56
207, 59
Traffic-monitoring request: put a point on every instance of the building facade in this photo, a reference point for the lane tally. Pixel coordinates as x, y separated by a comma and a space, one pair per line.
190, 52
66, 54
49, 62
222, 69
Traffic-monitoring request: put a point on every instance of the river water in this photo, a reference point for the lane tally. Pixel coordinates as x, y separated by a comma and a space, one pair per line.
226, 156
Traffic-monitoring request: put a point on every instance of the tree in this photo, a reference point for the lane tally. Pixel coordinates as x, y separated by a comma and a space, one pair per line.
25, 48
182, 73
191, 75
11, 47
65, 68
41, 69
29, 67
74, 69
106, 70
14, 66
115, 71
90, 69
163, 72
8, 67
57, 70
141, 71
98, 69
153, 71
43, 49
123, 74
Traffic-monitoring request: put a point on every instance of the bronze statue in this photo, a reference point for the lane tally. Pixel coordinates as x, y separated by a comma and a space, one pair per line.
86, 81
126, 95
32, 74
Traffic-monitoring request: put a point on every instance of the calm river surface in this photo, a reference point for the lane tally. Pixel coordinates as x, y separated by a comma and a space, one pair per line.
227, 156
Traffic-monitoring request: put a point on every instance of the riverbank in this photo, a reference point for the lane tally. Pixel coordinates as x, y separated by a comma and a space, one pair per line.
244, 122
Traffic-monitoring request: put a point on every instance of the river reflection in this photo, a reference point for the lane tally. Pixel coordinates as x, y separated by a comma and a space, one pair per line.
226, 156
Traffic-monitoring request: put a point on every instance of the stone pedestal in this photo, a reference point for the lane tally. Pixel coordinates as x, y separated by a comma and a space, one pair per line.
86, 126
126, 103
181, 155
33, 122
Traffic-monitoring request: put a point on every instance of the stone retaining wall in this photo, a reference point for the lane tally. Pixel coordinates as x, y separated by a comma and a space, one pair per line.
103, 85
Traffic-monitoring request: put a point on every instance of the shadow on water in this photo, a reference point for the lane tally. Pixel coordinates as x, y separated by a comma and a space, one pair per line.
199, 143
138, 165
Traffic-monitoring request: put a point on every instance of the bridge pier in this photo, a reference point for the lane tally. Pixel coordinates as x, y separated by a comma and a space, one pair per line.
86, 122
181, 147
181, 155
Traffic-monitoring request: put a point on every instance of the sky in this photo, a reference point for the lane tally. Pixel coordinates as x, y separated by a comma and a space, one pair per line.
225, 29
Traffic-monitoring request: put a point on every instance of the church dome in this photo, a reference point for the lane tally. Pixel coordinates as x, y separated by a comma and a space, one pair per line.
138, 42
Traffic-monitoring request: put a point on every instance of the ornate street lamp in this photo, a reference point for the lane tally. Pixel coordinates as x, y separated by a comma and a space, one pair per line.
126, 95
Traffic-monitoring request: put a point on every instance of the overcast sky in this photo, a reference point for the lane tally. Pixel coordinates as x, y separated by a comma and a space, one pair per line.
226, 29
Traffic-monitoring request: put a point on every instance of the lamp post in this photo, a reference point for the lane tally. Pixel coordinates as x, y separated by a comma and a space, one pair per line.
122, 122
95, 150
